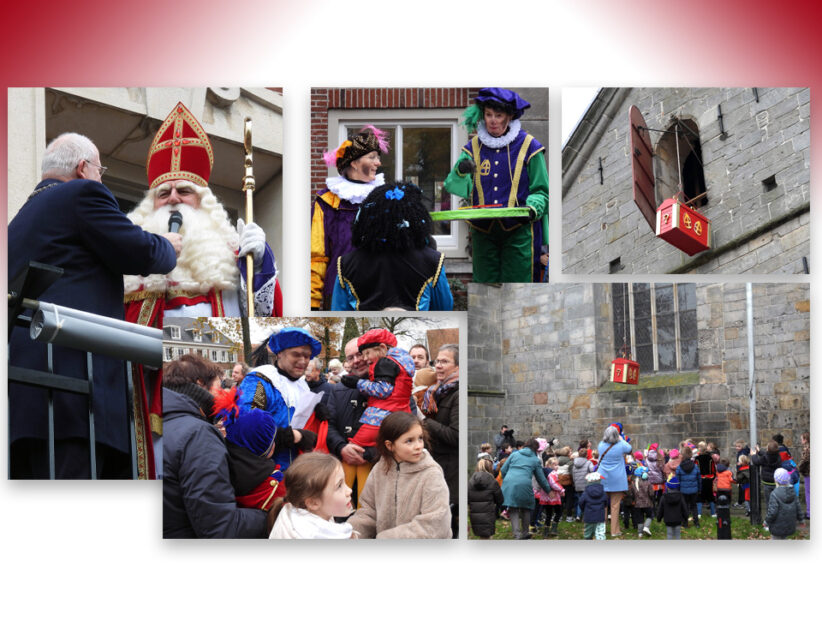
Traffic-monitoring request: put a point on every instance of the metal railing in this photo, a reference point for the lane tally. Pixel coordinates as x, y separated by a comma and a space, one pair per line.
93, 334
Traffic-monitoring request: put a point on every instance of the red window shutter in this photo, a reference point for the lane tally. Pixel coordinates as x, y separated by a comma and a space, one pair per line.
642, 166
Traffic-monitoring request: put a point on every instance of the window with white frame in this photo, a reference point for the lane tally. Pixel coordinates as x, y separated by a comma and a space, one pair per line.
425, 144
213, 355
174, 332
167, 354
656, 324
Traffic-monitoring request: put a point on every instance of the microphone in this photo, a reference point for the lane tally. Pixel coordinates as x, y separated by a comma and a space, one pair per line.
175, 221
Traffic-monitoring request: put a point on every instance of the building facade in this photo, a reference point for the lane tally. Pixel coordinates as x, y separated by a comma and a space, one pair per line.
546, 370
195, 336
744, 152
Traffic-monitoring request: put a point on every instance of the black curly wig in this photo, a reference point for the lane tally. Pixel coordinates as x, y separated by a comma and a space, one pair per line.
392, 218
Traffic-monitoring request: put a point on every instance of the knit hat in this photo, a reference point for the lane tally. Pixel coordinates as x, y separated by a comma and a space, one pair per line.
782, 477
674, 453
253, 429
594, 476
641, 472
367, 140
293, 338
375, 337
638, 455
653, 446
673, 483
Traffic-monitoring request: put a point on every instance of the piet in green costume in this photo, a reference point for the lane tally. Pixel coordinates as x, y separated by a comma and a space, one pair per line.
502, 165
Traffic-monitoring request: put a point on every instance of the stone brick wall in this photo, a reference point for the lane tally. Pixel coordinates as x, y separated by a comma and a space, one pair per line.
757, 227
539, 360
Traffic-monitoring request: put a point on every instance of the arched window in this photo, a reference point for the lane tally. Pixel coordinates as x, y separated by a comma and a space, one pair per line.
687, 162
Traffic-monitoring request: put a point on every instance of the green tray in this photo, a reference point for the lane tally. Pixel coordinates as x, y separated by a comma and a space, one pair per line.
479, 213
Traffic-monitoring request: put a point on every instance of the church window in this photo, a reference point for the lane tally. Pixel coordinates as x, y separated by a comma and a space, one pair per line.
656, 324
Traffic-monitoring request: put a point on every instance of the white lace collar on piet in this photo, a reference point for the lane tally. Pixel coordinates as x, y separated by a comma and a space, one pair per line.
496, 142
351, 191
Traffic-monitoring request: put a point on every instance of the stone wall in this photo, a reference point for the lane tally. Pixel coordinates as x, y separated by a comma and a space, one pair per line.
757, 176
539, 360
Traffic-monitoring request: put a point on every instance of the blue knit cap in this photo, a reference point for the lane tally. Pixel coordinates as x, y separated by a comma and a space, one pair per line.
673, 483
253, 429
293, 338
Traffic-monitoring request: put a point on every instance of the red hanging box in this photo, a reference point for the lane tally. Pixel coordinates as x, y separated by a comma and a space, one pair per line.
683, 227
624, 371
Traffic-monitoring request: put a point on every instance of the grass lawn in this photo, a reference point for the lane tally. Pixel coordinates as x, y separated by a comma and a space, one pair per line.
741, 528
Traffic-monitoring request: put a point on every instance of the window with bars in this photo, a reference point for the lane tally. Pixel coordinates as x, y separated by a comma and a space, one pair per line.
655, 324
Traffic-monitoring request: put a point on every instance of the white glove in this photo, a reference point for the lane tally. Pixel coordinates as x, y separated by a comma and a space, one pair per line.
252, 240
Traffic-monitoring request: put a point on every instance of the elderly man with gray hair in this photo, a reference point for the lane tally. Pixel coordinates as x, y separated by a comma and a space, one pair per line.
72, 221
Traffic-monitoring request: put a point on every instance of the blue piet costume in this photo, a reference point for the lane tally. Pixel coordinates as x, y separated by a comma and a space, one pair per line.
270, 389
508, 171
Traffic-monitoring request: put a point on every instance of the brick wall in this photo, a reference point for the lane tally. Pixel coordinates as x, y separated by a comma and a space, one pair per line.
756, 228
539, 359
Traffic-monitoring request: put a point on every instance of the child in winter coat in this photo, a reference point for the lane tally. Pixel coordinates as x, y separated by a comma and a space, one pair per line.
655, 463
690, 481
784, 510
643, 501
672, 509
388, 386
707, 471
669, 468
405, 496
768, 461
552, 501
594, 502
724, 478
626, 504
743, 479
484, 500
580, 468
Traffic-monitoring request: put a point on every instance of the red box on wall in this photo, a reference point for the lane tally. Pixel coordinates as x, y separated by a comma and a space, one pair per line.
624, 371
681, 226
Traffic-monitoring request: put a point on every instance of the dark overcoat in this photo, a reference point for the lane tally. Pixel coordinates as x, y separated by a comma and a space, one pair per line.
78, 226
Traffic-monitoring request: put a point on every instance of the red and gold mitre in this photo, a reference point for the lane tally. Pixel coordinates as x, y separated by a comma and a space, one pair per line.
180, 150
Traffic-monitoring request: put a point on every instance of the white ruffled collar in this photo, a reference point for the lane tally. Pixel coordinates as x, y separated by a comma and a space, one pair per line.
496, 142
351, 191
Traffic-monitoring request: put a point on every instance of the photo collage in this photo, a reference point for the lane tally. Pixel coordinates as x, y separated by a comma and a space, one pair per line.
635, 339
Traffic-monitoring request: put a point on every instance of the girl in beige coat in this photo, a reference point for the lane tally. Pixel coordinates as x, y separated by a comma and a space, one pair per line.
405, 496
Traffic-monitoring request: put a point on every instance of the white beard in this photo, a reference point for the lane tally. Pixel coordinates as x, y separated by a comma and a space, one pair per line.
208, 257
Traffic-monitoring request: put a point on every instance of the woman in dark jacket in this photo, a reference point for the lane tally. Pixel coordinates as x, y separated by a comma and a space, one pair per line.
440, 406
484, 498
198, 496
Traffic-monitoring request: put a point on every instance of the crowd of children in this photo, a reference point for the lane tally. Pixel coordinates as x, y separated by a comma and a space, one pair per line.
674, 486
